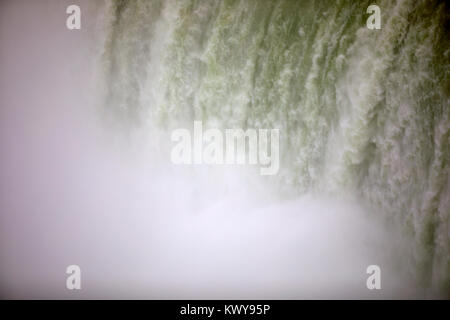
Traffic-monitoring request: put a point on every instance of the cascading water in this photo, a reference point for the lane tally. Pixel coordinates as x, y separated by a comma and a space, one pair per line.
360, 111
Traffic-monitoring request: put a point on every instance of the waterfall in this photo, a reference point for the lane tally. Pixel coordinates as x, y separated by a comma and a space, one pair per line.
360, 111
